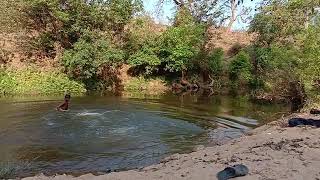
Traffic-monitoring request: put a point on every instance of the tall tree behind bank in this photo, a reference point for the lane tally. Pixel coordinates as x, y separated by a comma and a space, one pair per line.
66, 21
235, 10
202, 10
90, 34
216, 12
283, 31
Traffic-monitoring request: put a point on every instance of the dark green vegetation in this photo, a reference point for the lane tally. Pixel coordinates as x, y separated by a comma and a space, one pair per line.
35, 82
92, 40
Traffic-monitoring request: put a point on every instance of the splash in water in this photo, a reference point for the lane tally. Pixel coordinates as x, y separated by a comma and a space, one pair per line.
87, 113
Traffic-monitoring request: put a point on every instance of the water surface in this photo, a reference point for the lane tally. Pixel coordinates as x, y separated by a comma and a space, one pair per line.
106, 133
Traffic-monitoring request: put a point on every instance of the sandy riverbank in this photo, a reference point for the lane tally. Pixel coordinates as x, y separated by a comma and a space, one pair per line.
273, 151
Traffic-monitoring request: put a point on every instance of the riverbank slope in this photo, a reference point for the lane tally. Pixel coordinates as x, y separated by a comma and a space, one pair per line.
272, 151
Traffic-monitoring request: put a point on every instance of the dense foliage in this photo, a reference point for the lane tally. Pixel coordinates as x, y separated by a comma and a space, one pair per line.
91, 40
29, 82
175, 49
215, 61
240, 67
287, 44
88, 56
181, 43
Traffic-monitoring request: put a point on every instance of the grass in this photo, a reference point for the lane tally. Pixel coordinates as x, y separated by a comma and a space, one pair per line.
33, 82
152, 86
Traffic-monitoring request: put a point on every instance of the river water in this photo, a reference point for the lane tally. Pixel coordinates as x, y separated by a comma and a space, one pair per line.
107, 133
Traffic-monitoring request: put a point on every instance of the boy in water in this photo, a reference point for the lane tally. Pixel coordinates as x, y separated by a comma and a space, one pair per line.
65, 105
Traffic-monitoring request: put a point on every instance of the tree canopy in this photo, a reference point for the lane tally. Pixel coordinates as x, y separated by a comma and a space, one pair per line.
91, 39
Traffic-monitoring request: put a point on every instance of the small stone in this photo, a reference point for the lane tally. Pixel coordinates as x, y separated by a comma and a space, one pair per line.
199, 148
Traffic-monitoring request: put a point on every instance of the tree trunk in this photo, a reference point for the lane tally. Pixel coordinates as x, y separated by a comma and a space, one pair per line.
233, 17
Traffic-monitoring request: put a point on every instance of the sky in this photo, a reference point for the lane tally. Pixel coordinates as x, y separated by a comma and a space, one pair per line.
168, 12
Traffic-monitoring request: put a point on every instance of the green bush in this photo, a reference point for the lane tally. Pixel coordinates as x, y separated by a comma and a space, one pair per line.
7, 83
215, 61
44, 43
65, 22
34, 82
147, 58
145, 85
181, 44
240, 67
256, 83
309, 66
142, 33
88, 56
142, 45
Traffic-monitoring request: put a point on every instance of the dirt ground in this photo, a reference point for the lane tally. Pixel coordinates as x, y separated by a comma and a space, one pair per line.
273, 151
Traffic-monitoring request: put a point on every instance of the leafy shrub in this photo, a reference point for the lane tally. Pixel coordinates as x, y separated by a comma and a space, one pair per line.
215, 61
84, 61
35, 82
256, 83
147, 58
142, 33
144, 85
142, 45
309, 66
240, 67
7, 83
262, 59
180, 44
66, 22
10, 16
44, 43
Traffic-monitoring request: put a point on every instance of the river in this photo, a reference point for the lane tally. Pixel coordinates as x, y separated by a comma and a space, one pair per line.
107, 133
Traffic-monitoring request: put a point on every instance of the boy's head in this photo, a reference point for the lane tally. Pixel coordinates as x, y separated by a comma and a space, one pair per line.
67, 97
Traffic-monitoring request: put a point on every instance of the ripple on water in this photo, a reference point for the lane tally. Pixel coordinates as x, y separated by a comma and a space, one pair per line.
108, 135
122, 130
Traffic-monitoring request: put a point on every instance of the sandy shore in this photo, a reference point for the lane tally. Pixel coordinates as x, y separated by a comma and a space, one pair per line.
273, 151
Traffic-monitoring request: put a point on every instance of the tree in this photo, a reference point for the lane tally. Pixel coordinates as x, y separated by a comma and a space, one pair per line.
310, 66
67, 21
235, 10
240, 67
89, 57
181, 44
281, 21
215, 61
143, 44
201, 10
215, 12
120, 13
287, 46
